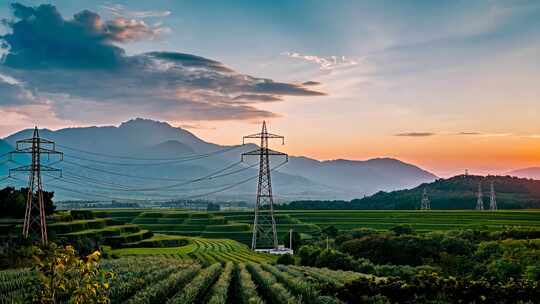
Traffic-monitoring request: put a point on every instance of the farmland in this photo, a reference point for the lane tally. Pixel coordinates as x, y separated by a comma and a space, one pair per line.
183, 256
174, 280
236, 224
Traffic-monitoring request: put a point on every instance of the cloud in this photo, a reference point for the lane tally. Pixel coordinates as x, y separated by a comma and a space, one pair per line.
82, 42
195, 127
256, 98
75, 66
415, 134
325, 63
311, 83
485, 134
469, 133
13, 94
121, 11
465, 133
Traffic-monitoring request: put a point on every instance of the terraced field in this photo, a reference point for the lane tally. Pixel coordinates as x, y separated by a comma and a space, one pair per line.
236, 224
420, 220
178, 280
206, 251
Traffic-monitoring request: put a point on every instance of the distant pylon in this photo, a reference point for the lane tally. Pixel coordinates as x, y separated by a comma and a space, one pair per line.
35, 225
479, 198
425, 204
264, 223
492, 198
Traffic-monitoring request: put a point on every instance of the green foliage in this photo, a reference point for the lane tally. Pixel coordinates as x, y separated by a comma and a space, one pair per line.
16, 253
163, 289
330, 231
82, 214
64, 276
296, 240
271, 290
286, 259
247, 290
195, 290
301, 288
219, 292
432, 288
402, 229
13, 202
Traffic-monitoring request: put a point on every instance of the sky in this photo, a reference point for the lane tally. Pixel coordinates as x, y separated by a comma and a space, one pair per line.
445, 85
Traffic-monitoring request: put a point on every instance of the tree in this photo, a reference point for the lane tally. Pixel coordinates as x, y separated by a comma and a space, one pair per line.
213, 207
402, 229
296, 240
66, 277
330, 231
286, 259
308, 255
13, 202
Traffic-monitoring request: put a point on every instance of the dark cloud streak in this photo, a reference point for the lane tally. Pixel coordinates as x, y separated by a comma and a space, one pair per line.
415, 134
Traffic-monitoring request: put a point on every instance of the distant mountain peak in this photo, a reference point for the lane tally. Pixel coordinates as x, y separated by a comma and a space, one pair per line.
139, 121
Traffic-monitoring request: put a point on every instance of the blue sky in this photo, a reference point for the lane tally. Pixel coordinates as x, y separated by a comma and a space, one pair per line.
456, 80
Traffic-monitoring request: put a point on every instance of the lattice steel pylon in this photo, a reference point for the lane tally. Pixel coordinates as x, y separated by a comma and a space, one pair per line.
425, 203
479, 198
35, 225
264, 223
492, 198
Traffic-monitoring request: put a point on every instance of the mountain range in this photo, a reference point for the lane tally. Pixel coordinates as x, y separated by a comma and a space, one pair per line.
147, 159
532, 173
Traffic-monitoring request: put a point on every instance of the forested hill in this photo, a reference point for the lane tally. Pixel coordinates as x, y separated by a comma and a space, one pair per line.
459, 192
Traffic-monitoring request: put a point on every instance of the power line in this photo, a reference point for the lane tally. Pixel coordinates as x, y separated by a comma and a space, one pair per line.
225, 188
151, 159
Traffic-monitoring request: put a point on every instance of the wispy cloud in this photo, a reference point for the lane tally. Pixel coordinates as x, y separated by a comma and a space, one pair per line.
415, 134
195, 127
121, 11
484, 134
446, 133
325, 63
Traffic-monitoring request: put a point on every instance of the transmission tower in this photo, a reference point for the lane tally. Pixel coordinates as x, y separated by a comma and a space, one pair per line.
264, 223
492, 198
425, 204
35, 225
480, 200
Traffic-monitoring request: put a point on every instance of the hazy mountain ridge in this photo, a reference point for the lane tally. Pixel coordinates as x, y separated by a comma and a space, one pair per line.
531, 172
4, 148
302, 177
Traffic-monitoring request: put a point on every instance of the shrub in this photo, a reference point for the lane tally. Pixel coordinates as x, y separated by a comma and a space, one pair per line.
286, 259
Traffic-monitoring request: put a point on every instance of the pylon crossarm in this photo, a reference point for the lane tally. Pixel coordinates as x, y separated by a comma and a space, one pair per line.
35, 139
266, 135
259, 153
30, 168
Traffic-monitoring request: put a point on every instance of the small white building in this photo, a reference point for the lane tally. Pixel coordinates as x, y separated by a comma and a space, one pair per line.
280, 250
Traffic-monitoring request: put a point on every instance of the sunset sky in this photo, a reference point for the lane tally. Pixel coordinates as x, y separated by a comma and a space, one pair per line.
446, 85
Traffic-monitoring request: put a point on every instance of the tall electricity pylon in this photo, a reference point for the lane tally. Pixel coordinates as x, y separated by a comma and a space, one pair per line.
425, 204
35, 225
264, 223
492, 198
479, 198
